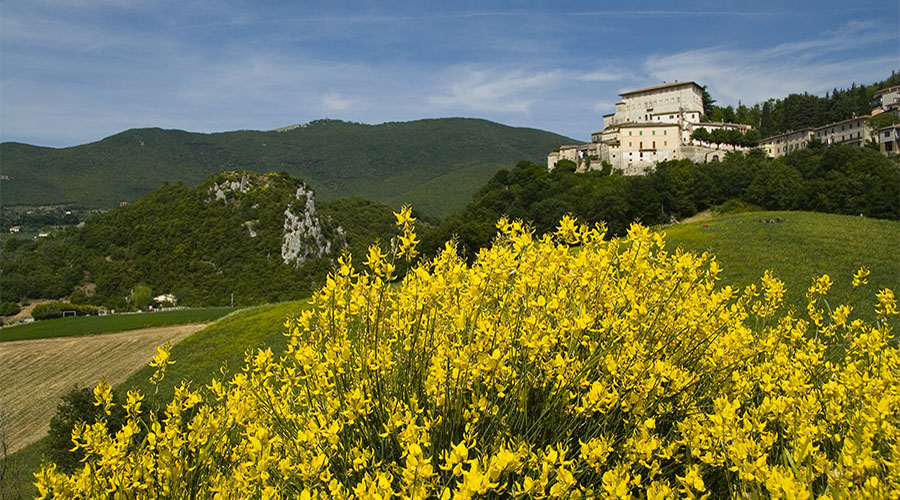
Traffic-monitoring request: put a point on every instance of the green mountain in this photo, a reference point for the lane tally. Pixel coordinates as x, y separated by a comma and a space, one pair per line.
260, 237
391, 162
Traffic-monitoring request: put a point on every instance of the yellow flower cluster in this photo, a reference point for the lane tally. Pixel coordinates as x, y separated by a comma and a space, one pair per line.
565, 366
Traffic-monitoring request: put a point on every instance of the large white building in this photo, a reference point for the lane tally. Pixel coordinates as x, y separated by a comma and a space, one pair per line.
650, 125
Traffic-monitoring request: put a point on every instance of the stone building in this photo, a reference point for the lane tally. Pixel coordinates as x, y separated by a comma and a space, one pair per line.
650, 125
887, 99
888, 138
854, 132
782, 144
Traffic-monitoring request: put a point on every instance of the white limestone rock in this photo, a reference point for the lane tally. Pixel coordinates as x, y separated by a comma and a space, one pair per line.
220, 190
303, 235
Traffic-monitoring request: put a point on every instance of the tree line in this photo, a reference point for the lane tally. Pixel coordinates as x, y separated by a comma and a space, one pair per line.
838, 179
798, 111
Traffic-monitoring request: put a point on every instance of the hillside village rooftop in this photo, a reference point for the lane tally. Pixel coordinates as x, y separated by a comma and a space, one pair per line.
649, 125
657, 123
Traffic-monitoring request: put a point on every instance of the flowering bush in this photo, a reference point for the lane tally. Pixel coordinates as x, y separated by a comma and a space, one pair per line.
562, 366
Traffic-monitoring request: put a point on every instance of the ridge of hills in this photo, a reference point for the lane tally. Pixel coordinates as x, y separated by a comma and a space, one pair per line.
393, 162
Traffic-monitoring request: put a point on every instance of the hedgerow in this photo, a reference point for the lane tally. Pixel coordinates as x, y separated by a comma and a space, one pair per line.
50, 310
565, 366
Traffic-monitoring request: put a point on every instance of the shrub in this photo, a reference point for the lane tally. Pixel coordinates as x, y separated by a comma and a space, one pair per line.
77, 406
50, 310
736, 206
9, 309
47, 310
562, 366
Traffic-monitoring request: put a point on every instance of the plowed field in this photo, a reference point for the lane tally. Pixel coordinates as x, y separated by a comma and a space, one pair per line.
34, 374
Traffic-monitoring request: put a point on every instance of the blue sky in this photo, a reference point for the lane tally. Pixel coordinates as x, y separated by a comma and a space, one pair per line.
75, 71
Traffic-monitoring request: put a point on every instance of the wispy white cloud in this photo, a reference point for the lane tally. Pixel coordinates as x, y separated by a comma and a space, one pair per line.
604, 76
815, 65
852, 35
676, 13
604, 107
484, 90
333, 100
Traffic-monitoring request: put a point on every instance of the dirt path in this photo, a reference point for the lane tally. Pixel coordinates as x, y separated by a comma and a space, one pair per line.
34, 374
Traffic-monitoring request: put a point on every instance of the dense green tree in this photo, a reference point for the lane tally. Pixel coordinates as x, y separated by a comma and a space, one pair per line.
708, 103
78, 406
766, 121
701, 134
751, 138
9, 308
141, 296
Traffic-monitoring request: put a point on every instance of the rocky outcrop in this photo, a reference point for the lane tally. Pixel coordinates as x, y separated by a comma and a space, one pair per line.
220, 190
304, 237
304, 234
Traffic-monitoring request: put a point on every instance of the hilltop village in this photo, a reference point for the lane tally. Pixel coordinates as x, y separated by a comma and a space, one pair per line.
661, 122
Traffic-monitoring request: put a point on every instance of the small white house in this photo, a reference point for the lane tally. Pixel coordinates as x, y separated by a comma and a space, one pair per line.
166, 298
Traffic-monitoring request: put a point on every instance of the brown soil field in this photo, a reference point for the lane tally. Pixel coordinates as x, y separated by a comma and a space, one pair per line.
34, 374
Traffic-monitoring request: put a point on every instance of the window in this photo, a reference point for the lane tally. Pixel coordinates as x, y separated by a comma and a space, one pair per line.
654, 144
665, 132
653, 132
629, 132
640, 132
665, 143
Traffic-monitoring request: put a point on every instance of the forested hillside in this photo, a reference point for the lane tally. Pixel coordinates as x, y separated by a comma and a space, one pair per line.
837, 179
260, 237
797, 111
390, 162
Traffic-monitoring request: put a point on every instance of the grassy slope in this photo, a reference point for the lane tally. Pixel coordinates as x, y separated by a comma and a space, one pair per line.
440, 197
805, 245
197, 358
92, 325
381, 162
19, 469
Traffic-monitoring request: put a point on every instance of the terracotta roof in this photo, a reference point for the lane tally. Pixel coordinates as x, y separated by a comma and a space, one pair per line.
658, 87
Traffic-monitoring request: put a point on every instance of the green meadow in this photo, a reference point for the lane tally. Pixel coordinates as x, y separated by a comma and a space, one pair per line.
93, 325
799, 248
222, 344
